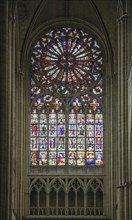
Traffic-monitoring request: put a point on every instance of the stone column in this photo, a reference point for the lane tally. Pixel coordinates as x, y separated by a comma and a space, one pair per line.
122, 156
120, 203
4, 132
126, 201
12, 107
24, 125
113, 166
21, 139
130, 136
130, 201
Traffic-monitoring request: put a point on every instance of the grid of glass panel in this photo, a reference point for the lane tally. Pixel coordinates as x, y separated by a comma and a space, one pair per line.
48, 138
85, 139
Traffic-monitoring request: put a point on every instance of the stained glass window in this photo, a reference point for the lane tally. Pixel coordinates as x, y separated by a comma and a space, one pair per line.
67, 99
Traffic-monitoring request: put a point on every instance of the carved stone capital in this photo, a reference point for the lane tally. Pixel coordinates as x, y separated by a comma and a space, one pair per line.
122, 17
125, 185
21, 73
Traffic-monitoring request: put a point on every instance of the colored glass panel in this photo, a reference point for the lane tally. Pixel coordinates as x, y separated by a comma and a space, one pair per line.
66, 100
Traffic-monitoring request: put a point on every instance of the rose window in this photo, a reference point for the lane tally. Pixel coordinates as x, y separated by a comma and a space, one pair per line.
68, 57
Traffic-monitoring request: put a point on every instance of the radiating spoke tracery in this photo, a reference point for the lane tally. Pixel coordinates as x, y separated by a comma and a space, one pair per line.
64, 52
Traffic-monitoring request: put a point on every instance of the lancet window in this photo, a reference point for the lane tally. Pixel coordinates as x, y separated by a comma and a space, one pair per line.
67, 81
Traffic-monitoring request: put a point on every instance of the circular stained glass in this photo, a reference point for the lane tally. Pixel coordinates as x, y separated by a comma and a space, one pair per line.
66, 57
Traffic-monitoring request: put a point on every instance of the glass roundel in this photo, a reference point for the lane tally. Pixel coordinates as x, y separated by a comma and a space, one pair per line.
66, 57
66, 100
